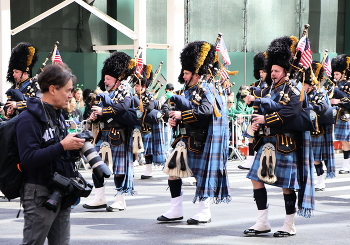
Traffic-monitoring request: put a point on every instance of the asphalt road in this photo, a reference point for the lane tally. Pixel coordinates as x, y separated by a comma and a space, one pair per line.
330, 223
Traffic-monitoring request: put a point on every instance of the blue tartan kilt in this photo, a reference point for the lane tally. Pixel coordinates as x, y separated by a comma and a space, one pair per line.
194, 158
147, 143
318, 146
342, 131
286, 167
119, 154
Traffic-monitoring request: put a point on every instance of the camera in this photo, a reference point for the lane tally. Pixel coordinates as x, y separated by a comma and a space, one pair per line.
69, 190
99, 168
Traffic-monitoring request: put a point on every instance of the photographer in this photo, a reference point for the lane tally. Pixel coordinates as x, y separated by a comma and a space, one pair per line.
44, 149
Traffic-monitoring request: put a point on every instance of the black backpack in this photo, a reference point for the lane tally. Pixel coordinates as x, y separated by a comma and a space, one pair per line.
11, 175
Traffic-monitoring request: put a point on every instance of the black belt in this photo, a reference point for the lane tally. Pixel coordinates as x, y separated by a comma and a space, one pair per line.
111, 125
267, 131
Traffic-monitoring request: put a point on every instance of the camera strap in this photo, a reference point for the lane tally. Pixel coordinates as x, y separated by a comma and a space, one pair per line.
49, 122
55, 128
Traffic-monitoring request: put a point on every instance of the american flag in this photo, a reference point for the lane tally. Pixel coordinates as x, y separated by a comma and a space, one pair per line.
221, 47
306, 53
57, 57
223, 74
139, 67
327, 66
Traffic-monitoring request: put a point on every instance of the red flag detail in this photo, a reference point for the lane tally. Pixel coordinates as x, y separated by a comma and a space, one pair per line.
327, 66
306, 53
139, 67
221, 47
57, 57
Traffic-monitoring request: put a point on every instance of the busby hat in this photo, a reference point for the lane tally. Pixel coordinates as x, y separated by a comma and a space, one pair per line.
259, 64
339, 64
23, 58
314, 77
197, 57
119, 65
280, 52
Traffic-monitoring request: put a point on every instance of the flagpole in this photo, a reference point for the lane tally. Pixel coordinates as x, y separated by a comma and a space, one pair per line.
325, 54
245, 41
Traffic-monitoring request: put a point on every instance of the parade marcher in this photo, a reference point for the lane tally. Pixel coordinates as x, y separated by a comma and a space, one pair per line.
322, 136
203, 132
259, 70
152, 134
342, 126
44, 150
22, 60
283, 156
113, 136
243, 109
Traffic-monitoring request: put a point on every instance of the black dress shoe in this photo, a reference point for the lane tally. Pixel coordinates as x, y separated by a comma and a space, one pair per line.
146, 177
344, 171
320, 189
241, 167
282, 234
94, 207
165, 219
252, 232
110, 209
196, 222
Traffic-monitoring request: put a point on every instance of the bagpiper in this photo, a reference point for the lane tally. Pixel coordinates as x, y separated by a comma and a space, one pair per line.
201, 146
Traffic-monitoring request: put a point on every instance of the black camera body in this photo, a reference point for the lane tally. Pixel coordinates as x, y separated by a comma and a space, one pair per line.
69, 190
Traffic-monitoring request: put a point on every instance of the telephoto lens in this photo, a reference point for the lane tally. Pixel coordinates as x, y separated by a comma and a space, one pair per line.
99, 168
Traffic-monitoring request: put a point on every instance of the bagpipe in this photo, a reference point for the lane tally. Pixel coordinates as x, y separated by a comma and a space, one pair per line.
48, 57
329, 87
198, 93
156, 84
103, 99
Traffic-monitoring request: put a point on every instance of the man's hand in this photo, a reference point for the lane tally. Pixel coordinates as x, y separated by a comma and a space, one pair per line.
175, 115
70, 142
172, 122
96, 110
92, 117
12, 104
335, 101
248, 99
257, 120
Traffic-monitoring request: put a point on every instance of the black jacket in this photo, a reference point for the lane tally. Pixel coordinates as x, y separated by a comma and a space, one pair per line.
40, 151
